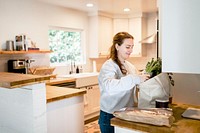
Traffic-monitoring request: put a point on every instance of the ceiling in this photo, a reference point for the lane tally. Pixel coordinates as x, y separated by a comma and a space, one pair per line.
114, 7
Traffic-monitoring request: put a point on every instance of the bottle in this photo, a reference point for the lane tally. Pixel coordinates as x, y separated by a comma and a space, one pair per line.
80, 69
77, 69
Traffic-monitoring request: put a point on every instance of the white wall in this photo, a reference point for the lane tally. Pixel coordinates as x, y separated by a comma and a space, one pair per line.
33, 18
186, 89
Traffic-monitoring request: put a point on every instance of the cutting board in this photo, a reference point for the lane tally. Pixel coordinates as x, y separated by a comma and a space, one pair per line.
42, 70
192, 113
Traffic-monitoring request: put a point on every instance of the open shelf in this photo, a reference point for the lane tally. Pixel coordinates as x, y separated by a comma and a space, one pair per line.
25, 52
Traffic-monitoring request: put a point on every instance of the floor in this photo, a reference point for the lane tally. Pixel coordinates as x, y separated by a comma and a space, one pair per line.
92, 127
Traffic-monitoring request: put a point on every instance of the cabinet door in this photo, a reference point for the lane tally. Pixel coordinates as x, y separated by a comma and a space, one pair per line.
105, 35
179, 35
100, 35
85, 97
91, 100
95, 98
120, 25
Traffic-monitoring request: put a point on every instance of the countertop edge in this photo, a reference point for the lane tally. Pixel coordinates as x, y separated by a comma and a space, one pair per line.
15, 80
62, 93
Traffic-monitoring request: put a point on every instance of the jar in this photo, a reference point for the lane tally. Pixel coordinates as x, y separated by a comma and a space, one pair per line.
9, 45
162, 103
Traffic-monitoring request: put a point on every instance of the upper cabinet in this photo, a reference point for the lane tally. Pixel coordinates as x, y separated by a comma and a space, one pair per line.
100, 35
136, 26
103, 28
179, 35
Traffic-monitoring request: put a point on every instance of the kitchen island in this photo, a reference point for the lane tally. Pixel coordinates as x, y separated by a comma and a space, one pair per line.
180, 125
65, 110
23, 103
27, 105
82, 81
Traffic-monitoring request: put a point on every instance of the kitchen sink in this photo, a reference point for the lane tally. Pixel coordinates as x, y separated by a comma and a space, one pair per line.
82, 79
77, 75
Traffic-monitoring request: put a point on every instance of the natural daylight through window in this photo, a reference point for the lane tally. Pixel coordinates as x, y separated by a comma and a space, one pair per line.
66, 46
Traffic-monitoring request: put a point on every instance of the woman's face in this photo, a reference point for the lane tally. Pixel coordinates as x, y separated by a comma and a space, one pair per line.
125, 49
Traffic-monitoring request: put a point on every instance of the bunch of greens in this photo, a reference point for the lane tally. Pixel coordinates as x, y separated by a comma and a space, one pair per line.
154, 67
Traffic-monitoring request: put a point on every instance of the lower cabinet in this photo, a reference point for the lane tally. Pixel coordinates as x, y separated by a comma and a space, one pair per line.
66, 115
91, 102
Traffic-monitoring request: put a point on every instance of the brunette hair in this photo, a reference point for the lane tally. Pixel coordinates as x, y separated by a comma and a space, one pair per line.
118, 39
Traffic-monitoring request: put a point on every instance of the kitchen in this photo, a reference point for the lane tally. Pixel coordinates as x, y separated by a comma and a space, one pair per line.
34, 18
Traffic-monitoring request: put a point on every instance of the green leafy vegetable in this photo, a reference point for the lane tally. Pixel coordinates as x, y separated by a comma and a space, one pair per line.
154, 66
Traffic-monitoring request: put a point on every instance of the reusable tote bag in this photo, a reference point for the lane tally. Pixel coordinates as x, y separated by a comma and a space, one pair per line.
158, 87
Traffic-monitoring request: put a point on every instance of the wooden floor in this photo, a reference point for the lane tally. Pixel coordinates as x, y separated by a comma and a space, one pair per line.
92, 127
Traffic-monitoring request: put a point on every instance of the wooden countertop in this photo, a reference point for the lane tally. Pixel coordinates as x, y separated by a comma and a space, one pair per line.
54, 93
181, 125
59, 81
14, 80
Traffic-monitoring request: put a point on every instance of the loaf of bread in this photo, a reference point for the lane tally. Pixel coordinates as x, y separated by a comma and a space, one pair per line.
154, 116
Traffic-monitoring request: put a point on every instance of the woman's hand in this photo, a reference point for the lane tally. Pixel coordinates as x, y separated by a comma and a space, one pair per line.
144, 77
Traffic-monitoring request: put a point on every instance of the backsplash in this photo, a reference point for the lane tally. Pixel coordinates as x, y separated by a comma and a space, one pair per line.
139, 62
40, 59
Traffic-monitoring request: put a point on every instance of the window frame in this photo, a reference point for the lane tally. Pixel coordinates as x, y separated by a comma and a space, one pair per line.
83, 54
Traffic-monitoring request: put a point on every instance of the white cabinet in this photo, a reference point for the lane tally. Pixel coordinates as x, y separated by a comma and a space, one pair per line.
103, 27
91, 102
137, 27
179, 35
120, 24
65, 115
125, 130
100, 35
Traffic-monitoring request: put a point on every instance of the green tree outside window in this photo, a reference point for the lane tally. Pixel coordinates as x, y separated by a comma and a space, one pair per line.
66, 47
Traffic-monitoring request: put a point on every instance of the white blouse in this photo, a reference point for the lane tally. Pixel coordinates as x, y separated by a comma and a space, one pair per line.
117, 89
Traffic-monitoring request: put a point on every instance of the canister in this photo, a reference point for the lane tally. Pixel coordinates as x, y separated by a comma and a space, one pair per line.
9, 45
162, 103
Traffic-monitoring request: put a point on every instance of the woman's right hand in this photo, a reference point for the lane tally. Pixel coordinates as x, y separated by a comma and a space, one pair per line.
144, 77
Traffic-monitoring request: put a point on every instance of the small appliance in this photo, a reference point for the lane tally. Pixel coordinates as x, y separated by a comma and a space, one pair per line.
17, 66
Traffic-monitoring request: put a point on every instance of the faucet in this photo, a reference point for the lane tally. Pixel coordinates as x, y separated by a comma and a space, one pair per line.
73, 68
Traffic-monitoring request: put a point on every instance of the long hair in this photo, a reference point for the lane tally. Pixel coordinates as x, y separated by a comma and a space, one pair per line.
118, 39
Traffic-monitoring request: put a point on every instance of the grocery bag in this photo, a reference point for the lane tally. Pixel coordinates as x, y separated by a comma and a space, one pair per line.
158, 87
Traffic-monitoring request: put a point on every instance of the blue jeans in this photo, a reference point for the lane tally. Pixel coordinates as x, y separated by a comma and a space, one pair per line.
104, 122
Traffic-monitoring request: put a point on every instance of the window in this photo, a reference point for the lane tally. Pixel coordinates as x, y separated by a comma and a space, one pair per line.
66, 47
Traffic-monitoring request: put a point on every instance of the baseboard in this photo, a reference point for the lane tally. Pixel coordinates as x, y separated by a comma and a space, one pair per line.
91, 119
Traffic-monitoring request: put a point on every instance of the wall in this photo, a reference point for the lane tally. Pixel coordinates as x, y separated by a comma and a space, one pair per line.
33, 18
186, 89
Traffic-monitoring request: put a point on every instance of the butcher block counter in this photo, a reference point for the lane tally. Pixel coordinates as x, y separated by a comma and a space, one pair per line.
54, 93
180, 125
56, 81
14, 80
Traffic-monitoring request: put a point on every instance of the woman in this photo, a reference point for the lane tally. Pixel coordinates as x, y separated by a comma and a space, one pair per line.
117, 79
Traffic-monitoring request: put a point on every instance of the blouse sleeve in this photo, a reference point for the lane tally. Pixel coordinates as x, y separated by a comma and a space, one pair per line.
112, 81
